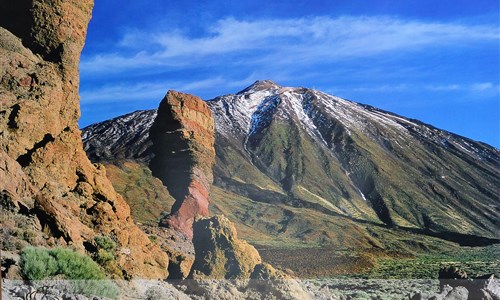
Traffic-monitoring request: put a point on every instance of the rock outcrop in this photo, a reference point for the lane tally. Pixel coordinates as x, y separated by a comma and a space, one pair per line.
226, 267
43, 167
183, 143
219, 254
455, 284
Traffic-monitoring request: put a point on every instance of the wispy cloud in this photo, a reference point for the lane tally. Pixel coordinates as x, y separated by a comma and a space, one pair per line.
120, 92
484, 86
480, 87
444, 88
154, 91
283, 41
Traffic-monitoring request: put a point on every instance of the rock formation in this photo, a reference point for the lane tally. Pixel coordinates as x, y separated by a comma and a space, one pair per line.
183, 143
43, 167
455, 284
219, 254
226, 267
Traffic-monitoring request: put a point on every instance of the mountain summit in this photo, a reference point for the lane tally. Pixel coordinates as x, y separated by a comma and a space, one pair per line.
299, 165
260, 85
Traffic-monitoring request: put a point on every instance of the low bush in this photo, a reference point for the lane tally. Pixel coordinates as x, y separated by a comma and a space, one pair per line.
37, 264
105, 243
105, 256
85, 275
73, 265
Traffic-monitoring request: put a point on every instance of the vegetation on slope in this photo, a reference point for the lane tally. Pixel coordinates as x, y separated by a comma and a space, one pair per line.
144, 193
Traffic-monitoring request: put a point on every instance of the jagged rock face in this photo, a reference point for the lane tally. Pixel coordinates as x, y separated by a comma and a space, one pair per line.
219, 254
41, 151
183, 144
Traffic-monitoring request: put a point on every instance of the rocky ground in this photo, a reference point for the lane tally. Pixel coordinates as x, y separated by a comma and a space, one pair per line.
257, 289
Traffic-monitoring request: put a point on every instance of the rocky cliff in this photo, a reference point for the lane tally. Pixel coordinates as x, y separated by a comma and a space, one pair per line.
44, 170
183, 143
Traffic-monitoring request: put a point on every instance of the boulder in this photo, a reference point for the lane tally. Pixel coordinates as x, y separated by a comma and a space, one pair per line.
180, 265
219, 254
458, 293
452, 276
276, 284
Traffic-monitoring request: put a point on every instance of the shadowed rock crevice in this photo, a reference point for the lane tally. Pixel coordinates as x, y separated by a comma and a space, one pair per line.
174, 170
366, 185
25, 159
16, 17
12, 124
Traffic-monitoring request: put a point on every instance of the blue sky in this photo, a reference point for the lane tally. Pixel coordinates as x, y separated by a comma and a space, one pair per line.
437, 61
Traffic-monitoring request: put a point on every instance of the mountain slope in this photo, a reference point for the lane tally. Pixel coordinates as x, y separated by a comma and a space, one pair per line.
349, 164
410, 173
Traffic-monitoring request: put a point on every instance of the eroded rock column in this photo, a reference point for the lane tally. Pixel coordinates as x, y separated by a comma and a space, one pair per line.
183, 143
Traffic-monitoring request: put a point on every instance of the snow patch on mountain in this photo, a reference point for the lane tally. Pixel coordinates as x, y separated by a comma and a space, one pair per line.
263, 115
124, 135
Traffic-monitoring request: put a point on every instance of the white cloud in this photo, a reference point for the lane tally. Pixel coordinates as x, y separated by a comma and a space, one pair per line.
123, 92
483, 86
285, 41
444, 88
147, 91
467, 88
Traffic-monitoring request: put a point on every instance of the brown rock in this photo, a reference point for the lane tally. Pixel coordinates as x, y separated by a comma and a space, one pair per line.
179, 265
41, 152
276, 284
265, 271
183, 143
219, 254
15, 188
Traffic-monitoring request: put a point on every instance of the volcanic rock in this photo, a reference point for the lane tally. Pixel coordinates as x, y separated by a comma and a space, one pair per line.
183, 144
223, 264
269, 281
219, 254
452, 276
455, 284
41, 151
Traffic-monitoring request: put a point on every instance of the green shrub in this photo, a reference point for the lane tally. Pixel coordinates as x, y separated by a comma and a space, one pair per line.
37, 264
84, 274
153, 238
105, 243
105, 256
76, 266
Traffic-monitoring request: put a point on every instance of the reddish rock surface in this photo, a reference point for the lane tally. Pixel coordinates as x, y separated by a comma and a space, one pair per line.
43, 167
183, 143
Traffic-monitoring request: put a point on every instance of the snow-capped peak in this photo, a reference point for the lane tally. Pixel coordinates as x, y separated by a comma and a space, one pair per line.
253, 109
260, 85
